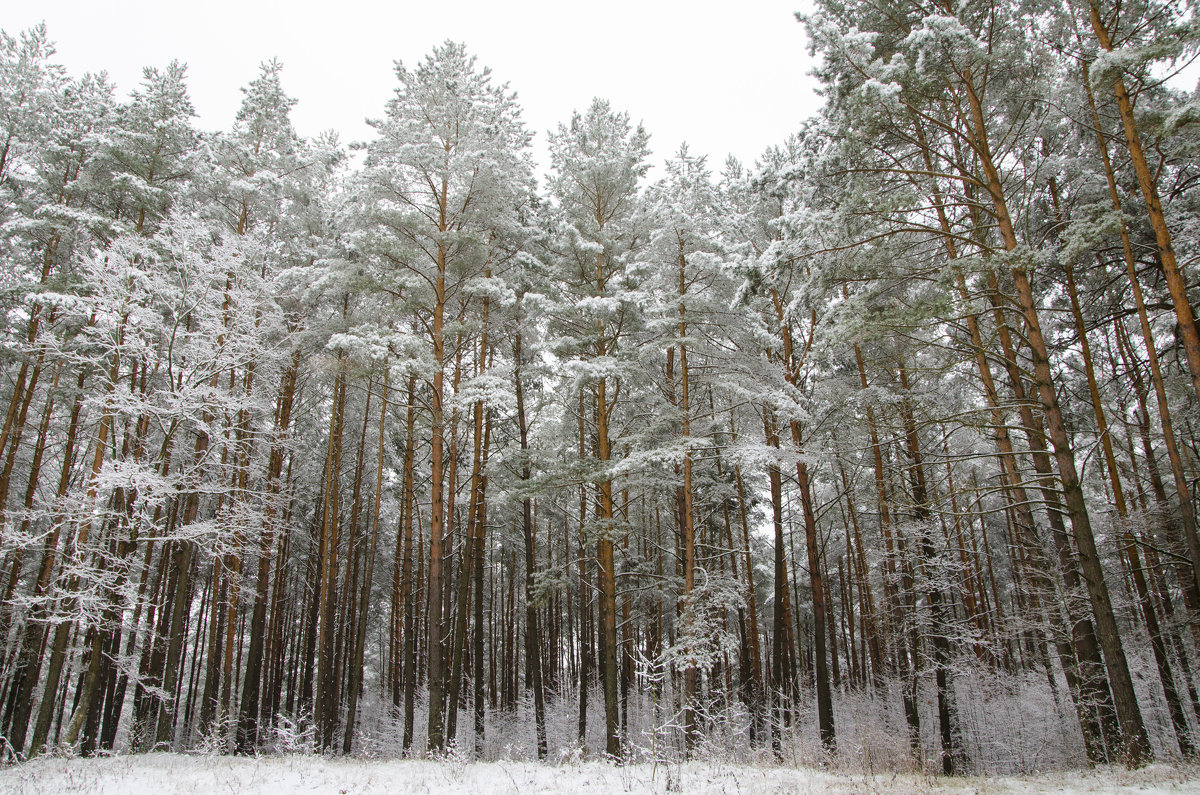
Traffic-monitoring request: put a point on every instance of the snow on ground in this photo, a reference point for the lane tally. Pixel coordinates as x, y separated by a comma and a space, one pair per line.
166, 774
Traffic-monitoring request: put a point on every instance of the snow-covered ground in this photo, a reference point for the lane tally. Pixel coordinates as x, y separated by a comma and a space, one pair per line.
161, 774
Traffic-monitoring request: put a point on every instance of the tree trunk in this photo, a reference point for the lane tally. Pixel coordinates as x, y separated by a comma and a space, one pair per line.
354, 688
533, 638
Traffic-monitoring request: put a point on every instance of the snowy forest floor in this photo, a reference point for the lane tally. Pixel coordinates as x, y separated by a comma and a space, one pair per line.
167, 773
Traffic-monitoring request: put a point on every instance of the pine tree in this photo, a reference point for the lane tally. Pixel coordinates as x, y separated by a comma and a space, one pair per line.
597, 161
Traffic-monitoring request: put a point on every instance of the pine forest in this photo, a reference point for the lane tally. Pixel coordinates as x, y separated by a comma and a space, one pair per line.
880, 452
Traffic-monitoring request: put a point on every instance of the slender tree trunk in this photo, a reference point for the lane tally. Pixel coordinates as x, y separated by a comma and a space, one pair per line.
533, 638
437, 508
820, 618
480, 555
409, 618
465, 577
326, 696
605, 560
353, 690
782, 670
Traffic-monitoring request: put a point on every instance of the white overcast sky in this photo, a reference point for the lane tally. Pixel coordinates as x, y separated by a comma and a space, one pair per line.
729, 78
